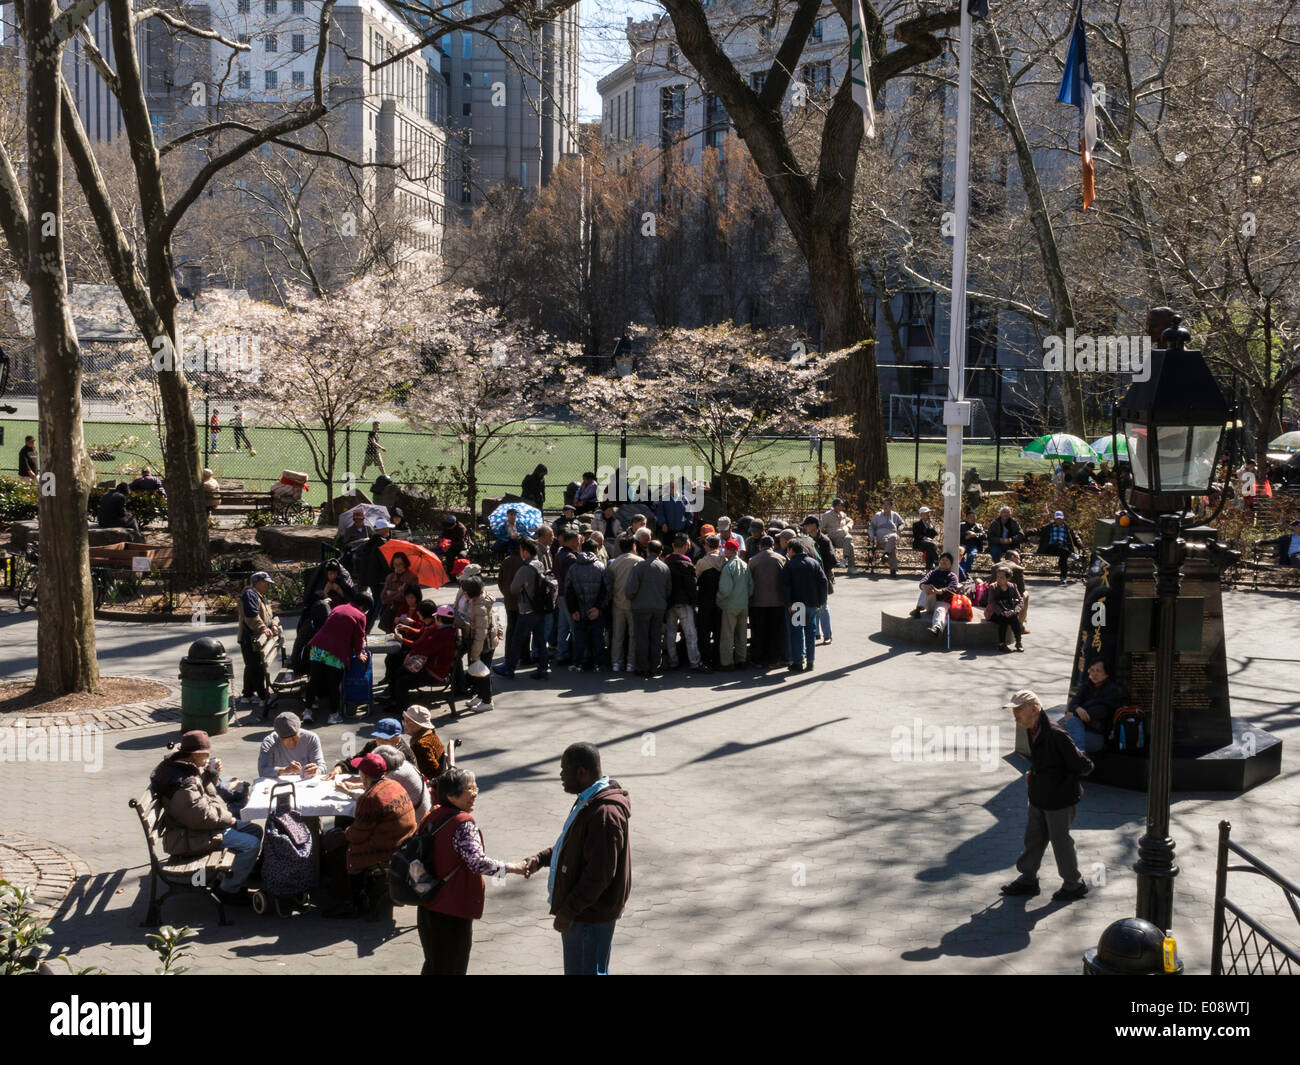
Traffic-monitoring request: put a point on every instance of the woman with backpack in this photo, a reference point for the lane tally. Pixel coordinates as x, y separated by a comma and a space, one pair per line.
446, 921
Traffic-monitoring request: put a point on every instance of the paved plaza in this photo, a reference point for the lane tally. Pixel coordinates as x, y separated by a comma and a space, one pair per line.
780, 823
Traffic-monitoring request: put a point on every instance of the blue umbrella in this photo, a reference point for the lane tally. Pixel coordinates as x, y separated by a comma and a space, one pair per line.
528, 520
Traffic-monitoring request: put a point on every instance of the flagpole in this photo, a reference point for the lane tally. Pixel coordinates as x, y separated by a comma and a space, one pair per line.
956, 412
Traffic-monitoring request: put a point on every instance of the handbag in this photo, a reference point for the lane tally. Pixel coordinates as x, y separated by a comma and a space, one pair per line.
414, 663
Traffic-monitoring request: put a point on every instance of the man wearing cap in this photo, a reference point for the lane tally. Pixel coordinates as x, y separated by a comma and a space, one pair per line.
838, 527
196, 820
937, 588
735, 587
567, 523
425, 743
1060, 540
925, 537
255, 621
290, 749
1056, 765
884, 533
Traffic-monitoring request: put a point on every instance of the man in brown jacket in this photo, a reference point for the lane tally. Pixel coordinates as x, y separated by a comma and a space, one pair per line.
195, 818
590, 863
767, 607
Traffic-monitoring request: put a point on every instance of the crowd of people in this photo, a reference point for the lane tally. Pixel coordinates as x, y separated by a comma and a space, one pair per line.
402, 785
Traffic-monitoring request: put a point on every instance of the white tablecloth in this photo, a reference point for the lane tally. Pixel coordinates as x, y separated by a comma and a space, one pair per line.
315, 798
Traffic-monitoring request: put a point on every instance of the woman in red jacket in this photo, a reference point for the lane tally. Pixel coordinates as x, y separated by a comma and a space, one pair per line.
446, 922
436, 645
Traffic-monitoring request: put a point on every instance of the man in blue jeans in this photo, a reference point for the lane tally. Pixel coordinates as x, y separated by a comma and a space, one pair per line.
530, 625
803, 587
196, 820
590, 864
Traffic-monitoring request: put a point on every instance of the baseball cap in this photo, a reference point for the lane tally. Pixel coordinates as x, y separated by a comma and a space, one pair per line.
724, 523
386, 729
446, 611
381, 524
370, 764
732, 545
1058, 514
261, 575
1021, 698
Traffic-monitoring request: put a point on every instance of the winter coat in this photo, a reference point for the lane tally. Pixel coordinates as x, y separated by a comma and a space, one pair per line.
194, 815
384, 818
616, 577
594, 875
735, 585
483, 632
586, 585
765, 567
1056, 766
803, 581
682, 570
316, 588
649, 586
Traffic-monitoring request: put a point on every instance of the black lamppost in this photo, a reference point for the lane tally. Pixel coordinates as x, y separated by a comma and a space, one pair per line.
1174, 424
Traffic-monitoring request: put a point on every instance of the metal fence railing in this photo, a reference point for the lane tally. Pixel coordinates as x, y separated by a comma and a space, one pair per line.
1243, 946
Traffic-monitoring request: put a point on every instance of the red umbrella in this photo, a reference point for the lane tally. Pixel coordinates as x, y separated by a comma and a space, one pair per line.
425, 567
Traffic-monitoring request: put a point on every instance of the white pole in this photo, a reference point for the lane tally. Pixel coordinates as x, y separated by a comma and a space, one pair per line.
956, 412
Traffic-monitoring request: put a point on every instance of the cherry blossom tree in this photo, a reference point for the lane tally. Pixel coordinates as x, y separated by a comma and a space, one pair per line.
726, 391
486, 378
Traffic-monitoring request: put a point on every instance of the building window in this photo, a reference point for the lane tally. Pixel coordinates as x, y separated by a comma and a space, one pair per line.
919, 317
467, 78
299, 42
272, 45
245, 80
244, 38
465, 109
757, 80
817, 76
672, 55
467, 45
243, 7
715, 119
523, 173
270, 7
299, 79
299, 7
271, 79
819, 28
156, 121
672, 110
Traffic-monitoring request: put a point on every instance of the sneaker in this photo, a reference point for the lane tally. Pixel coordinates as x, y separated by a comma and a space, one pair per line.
484, 706
334, 719
1027, 888
935, 631
1003, 648
307, 718
573, 669
794, 667
501, 671
617, 667
1020, 647
473, 701
701, 668
807, 667
1070, 892
595, 669
826, 642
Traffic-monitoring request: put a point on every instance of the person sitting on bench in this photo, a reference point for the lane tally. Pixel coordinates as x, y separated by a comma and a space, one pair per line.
1089, 713
430, 657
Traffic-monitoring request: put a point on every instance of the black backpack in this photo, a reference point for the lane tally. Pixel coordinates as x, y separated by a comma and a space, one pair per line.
404, 887
1130, 732
546, 590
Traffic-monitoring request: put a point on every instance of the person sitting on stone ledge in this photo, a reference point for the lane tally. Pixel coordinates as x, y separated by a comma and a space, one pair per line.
1089, 712
937, 589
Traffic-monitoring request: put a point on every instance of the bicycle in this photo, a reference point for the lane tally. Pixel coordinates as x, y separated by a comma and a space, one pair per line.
25, 585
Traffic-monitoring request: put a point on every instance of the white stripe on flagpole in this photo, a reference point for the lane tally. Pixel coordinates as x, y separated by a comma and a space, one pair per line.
957, 322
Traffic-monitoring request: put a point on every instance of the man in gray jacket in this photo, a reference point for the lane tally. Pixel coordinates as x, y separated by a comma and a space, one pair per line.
767, 608
884, 531
648, 590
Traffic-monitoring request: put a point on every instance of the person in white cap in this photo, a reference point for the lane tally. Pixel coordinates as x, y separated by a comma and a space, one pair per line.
925, 537
1060, 540
1056, 765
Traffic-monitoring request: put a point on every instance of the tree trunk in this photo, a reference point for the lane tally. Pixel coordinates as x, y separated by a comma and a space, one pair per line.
65, 638
837, 293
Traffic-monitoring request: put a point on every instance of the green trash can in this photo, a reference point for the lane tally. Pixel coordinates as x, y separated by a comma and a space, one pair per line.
206, 675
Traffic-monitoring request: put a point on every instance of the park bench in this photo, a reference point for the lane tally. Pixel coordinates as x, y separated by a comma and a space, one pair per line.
199, 873
1263, 559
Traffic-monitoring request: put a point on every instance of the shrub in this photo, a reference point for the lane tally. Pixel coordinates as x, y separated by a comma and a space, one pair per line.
149, 509
18, 499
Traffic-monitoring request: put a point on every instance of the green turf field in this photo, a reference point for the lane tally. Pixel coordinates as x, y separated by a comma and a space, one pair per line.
565, 452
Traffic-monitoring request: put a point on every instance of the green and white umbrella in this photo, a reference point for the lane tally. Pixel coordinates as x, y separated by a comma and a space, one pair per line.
1059, 446
1107, 446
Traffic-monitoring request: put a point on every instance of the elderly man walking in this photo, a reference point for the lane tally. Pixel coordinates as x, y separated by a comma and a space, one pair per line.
1056, 765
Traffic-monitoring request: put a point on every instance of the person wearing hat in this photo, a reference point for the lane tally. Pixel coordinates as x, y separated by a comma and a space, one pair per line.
925, 537
256, 621
1056, 766
838, 527
480, 635
432, 654
824, 552
196, 820
358, 531
397, 521
735, 587
607, 524
937, 589
1060, 540
405, 771
341, 639
290, 749
383, 819
451, 540
430, 752
567, 523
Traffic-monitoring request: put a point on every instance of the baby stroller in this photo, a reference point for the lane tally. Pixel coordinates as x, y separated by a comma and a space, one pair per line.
288, 862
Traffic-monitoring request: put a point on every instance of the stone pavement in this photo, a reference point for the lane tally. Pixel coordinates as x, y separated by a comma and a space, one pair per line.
779, 823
